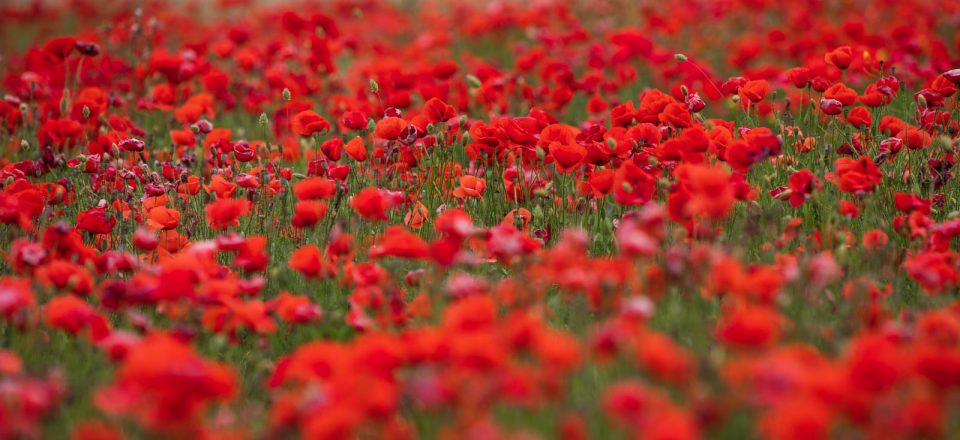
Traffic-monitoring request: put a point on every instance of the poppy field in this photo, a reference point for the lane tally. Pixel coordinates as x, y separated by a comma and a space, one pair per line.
483, 220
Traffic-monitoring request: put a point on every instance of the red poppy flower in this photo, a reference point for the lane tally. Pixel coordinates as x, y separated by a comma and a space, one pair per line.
224, 213
308, 122
371, 204
840, 57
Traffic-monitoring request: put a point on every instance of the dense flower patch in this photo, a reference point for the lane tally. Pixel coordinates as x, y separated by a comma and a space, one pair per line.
362, 219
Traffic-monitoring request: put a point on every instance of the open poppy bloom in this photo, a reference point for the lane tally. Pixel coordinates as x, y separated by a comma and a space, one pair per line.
308, 123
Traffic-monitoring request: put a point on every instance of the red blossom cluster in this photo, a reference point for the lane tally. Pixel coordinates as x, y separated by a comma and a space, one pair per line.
351, 219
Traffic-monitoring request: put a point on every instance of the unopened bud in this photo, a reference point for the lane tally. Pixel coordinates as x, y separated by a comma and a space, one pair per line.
86, 112
374, 87
922, 101
286, 94
680, 57
684, 90
473, 81
264, 120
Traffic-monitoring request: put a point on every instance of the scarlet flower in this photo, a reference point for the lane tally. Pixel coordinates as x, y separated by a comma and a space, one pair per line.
750, 327
797, 419
220, 186
163, 218
933, 271
840, 57
307, 213
799, 76
308, 122
840, 92
396, 241
677, 115
855, 176
313, 188
295, 308
470, 186
438, 111
16, 295
370, 203
165, 385
848, 209
802, 184
601, 181
859, 117
95, 221
72, 314
58, 49
224, 213
356, 149
310, 262
908, 203
755, 90
709, 189
567, 156
354, 120
914, 138
189, 188
632, 185
145, 240
416, 216
390, 128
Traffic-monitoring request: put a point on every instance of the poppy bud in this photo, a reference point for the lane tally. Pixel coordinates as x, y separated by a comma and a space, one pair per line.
953, 76
85, 111
374, 87
132, 145
680, 57
87, 48
830, 107
287, 96
473, 82
264, 121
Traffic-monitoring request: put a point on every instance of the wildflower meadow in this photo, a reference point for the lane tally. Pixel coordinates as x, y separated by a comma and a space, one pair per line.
472, 220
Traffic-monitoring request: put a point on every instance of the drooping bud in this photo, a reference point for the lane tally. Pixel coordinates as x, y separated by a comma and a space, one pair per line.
680, 57
473, 82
